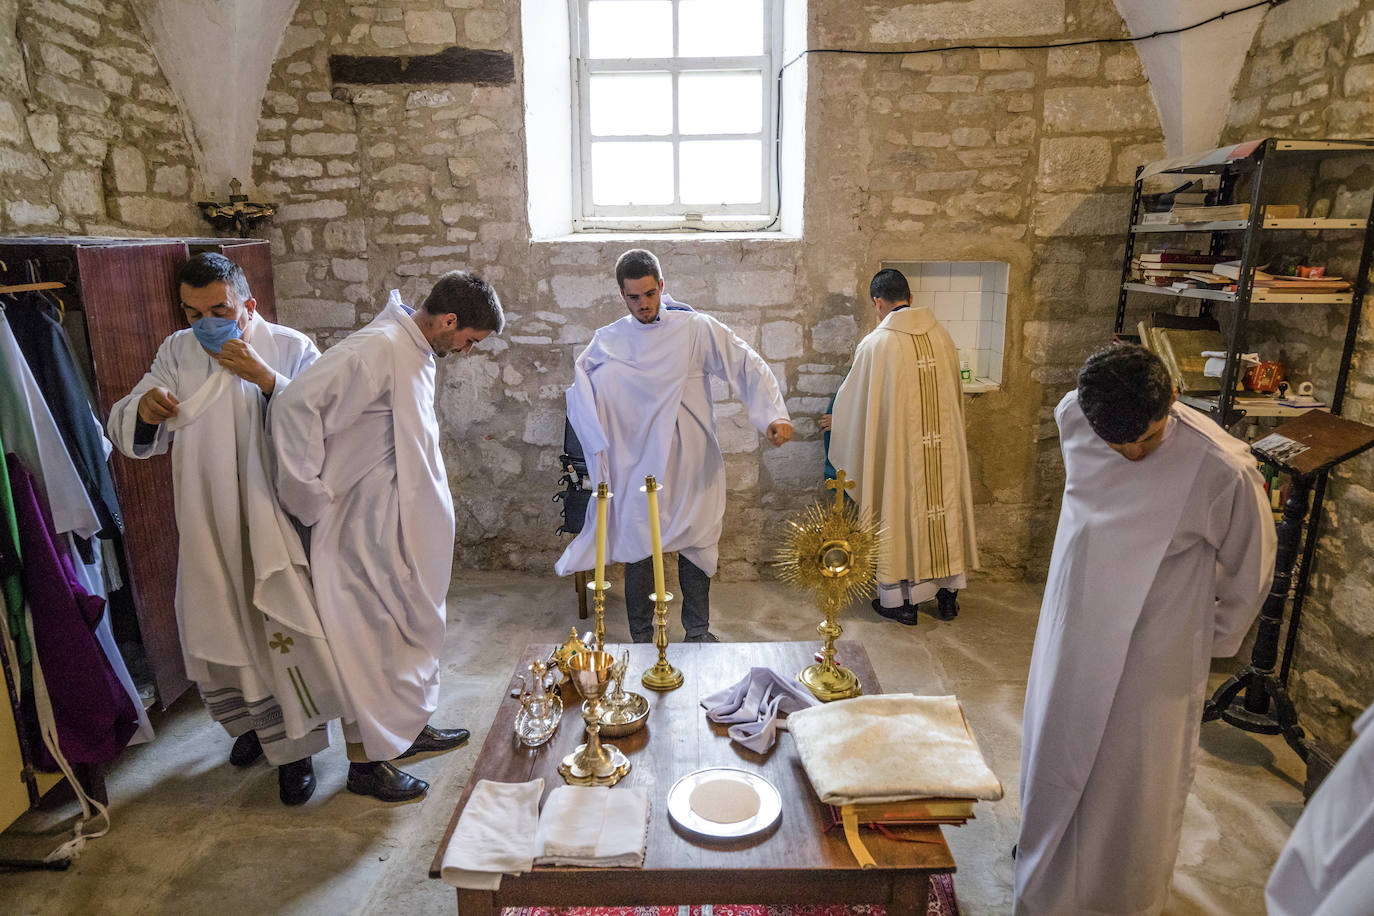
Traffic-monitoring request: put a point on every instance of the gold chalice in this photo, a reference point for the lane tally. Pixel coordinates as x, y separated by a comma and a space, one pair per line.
593, 763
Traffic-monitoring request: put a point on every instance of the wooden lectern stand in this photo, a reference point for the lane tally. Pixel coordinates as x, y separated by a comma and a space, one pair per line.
1306, 448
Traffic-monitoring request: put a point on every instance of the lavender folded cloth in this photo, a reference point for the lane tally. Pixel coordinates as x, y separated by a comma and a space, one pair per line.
753, 706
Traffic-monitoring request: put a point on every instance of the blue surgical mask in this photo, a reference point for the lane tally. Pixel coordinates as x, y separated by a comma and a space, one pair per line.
214, 333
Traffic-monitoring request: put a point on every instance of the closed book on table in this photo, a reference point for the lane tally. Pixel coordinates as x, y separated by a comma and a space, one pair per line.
912, 811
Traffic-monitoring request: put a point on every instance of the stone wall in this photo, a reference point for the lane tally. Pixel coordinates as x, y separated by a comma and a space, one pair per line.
1310, 74
1023, 157
91, 138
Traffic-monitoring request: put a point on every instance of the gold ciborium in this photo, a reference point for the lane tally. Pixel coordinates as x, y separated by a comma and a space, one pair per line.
593, 763
832, 552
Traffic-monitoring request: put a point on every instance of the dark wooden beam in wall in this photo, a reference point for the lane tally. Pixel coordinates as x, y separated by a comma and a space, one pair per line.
451, 65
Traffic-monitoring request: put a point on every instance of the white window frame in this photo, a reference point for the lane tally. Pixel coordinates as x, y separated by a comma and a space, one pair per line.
761, 215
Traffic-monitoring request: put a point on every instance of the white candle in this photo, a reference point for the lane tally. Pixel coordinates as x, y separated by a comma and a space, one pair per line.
602, 495
656, 539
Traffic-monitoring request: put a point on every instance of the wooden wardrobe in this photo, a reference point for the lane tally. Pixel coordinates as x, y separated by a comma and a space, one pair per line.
125, 290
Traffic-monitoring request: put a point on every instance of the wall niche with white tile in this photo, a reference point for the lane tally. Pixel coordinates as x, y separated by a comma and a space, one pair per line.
970, 299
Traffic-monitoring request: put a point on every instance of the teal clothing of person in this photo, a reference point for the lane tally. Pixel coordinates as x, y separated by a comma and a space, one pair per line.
10, 564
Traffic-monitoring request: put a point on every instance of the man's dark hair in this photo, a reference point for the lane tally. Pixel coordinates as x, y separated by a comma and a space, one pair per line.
637, 263
469, 297
891, 285
210, 267
1122, 389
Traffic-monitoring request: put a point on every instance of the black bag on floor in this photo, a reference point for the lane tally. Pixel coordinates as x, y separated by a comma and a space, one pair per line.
574, 495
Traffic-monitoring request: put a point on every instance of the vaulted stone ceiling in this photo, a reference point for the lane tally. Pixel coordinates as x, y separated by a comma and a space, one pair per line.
217, 55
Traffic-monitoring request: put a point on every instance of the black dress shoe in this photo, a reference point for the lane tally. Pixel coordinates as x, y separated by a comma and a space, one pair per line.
247, 749
948, 603
296, 781
383, 781
433, 740
905, 614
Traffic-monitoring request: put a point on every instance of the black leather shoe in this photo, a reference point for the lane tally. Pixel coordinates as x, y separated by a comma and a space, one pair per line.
296, 781
383, 781
905, 614
247, 750
948, 603
433, 740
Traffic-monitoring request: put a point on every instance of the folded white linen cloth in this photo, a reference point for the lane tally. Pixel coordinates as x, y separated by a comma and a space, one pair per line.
754, 704
495, 834
891, 747
593, 826
1216, 362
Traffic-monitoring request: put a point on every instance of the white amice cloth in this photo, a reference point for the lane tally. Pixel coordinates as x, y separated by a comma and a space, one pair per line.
753, 705
495, 834
1216, 362
891, 747
593, 826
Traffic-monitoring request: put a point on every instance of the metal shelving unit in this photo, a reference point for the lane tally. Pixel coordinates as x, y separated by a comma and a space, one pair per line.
1263, 163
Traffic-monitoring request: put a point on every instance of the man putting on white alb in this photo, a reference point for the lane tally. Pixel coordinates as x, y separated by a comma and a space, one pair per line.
641, 405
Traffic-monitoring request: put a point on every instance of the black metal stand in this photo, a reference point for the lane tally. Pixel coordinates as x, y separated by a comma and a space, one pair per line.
1266, 708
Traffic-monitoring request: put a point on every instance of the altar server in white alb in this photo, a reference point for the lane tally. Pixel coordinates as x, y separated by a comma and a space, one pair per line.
641, 404
359, 461
250, 633
1164, 552
897, 429
1327, 866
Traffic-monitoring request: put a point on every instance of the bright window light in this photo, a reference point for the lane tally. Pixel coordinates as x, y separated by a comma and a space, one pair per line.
700, 75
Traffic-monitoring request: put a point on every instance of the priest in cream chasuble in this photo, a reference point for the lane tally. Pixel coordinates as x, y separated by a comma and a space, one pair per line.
898, 431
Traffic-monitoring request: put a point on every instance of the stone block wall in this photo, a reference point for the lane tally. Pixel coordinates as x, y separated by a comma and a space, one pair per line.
1023, 157
91, 138
1310, 74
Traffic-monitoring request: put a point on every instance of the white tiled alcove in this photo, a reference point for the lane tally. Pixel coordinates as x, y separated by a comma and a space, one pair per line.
970, 299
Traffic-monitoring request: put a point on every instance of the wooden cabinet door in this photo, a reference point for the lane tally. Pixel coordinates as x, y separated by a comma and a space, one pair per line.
255, 257
130, 298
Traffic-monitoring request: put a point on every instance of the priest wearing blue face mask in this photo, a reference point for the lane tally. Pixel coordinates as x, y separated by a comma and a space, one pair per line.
246, 612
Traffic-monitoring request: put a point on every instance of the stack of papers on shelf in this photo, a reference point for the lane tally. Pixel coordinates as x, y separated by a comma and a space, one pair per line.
1300, 284
1210, 214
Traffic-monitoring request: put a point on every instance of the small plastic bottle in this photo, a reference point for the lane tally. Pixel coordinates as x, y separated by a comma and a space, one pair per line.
965, 374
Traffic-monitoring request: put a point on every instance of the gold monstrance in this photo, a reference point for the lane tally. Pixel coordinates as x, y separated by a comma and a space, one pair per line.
834, 553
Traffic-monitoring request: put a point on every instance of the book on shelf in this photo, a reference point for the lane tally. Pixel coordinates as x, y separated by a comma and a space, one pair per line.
1178, 257
1209, 214
1227, 269
1227, 212
1207, 278
1146, 271
1181, 351
1163, 218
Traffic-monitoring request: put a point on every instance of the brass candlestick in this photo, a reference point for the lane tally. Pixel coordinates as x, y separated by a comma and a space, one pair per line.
598, 590
662, 675
598, 587
593, 763
833, 553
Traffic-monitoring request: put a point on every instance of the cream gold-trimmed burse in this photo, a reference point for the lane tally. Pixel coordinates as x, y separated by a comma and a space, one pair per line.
891, 747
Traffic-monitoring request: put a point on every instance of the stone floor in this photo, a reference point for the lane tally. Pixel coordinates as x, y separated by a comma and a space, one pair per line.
194, 835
